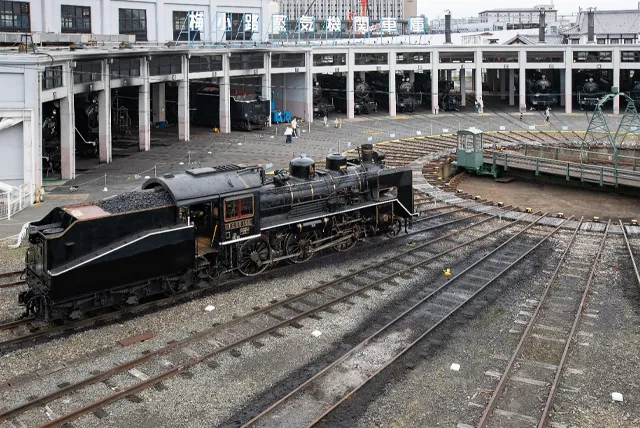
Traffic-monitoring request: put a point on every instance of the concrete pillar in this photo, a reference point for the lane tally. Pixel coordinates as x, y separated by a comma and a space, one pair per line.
266, 80
568, 82
67, 136
473, 80
392, 85
184, 125
162, 34
350, 85
522, 87
308, 93
616, 80
434, 81
225, 93
104, 117
503, 84
463, 87
159, 102
512, 87
144, 117
32, 163
478, 82
562, 98
104, 17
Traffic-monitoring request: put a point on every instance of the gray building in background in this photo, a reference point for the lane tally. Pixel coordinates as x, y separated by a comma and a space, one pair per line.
375, 9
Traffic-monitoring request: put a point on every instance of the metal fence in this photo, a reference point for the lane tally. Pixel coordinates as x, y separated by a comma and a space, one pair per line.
15, 201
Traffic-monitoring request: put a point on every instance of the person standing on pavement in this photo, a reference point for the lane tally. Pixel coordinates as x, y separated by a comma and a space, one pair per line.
547, 113
288, 133
294, 126
481, 105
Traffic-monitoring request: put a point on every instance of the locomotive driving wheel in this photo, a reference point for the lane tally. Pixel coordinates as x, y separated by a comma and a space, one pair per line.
254, 256
299, 245
355, 231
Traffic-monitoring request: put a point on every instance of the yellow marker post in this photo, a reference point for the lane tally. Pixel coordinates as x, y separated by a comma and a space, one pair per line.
446, 272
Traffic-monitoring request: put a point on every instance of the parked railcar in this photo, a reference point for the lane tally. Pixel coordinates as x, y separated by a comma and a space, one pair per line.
540, 92
203, 224
449, 98
321, 106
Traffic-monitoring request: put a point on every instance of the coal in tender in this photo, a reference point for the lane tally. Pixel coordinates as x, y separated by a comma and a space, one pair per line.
134, 201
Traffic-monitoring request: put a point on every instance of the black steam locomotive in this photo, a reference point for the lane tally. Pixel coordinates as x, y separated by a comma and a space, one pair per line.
321, 107
539, 91
248, 111
336, 86
449, 98
591, 88
407, 101
207, 222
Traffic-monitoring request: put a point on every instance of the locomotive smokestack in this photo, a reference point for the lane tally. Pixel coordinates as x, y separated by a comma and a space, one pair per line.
367, 153
447, 29
541, 33
591, 27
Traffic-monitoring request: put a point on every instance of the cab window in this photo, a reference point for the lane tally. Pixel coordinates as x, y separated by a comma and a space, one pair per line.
238, 207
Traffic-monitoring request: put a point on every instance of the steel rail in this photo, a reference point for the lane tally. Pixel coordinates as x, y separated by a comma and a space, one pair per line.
554, 386
12, 284
176, 345
14, 324
372, 338
497, 392
633, 260
14, 273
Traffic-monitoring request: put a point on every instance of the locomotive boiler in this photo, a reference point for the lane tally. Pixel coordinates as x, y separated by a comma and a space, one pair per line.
363, 99
591, 89
540, 95
248, 111
321, 107
185, 228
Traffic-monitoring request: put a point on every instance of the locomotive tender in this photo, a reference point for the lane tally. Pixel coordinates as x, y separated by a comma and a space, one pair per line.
203, 224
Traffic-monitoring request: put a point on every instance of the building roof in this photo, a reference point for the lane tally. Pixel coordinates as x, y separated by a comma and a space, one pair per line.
517, 10
532, 39
608, 22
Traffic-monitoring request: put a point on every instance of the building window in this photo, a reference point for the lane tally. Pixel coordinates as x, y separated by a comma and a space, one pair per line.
413, 58
630, 56
52, 77
628, 41
499, 56
329, 59
602, 41
454, 57
279, 60
246, 61
125, 68
181, 28
368, 59
75, 19
163, 65
199, 64
14, 16
592, 56
534, 56
86, 72
134, 22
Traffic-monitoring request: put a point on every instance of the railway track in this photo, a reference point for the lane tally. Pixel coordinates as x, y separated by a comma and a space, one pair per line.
21, 332
537, 364
252, 326
634, 251
11, 279
325, 391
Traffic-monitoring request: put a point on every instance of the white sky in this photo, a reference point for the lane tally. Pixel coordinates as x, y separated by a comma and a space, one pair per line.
465, 8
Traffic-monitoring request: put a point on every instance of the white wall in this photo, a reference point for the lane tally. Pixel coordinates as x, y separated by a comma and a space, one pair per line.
11, 161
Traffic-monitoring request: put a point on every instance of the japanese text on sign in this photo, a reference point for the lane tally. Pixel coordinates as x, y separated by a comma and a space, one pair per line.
306, 24
389, 25
361, 24
334, 24
279, 23
251, 22
417, 24
196, 21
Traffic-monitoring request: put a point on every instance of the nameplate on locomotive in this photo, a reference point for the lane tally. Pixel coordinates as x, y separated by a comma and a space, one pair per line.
238, 224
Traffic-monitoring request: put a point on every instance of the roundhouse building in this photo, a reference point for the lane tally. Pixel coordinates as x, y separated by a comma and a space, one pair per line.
154, 79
